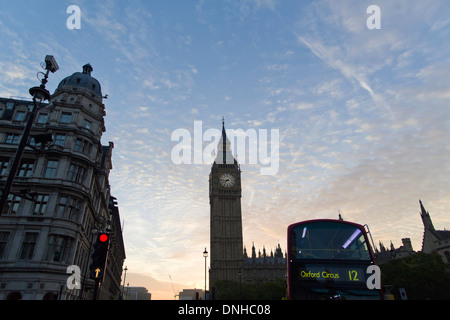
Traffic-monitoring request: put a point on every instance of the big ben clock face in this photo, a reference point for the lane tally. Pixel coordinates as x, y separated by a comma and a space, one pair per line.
227, 180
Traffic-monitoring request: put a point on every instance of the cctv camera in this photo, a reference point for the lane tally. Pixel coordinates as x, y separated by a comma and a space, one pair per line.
50, 64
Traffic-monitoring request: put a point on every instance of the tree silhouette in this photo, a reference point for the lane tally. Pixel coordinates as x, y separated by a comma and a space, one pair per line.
423, 276
229, 290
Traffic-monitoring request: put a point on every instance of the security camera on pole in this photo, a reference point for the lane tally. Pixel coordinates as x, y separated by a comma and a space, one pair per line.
39, 95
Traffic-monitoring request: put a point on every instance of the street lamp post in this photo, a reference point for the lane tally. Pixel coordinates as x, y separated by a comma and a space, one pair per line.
123, 287
39, 94
205, 255
240, 284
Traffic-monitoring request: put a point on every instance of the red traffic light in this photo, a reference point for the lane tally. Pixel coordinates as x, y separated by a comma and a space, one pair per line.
103, 237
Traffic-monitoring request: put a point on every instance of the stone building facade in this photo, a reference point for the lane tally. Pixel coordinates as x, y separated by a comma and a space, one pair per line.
60, 194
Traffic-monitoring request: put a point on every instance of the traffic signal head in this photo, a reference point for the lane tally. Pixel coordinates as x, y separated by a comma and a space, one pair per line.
103, 237
100, 254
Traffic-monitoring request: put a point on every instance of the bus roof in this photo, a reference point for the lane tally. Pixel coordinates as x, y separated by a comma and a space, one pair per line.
290, 227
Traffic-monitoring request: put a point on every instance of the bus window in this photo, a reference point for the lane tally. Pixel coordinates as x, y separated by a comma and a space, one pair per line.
329, 241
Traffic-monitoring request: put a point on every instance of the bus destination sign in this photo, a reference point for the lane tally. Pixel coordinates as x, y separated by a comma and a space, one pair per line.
323, 273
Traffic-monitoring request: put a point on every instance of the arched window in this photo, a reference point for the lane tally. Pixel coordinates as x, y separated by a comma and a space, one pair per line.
14, 296
50, 296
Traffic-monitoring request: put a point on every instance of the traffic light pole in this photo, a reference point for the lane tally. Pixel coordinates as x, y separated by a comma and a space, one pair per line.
86, 265
96, 285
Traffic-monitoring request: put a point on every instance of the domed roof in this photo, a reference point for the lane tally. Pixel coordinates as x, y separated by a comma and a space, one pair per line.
84, 80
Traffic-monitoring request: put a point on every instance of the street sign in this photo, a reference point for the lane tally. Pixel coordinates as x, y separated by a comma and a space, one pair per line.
403, 293
97, 273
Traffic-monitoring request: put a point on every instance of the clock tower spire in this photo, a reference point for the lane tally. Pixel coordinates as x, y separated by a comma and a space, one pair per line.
226, 244
224, 154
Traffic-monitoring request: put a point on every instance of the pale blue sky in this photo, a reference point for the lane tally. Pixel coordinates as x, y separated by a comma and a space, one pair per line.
363, 114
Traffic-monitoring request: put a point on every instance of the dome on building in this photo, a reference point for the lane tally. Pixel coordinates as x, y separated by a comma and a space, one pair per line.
84, 80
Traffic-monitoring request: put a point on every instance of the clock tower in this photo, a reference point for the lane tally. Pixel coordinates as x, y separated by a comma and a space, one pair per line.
226, 244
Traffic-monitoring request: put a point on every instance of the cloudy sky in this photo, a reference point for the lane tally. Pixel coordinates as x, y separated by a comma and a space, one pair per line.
363, 114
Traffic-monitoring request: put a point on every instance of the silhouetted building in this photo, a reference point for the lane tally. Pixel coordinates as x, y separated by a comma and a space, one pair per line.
263, 268
384, 255
437, 241
61, 191
192, 294
229, 260
434, 241
225, 194
137, 293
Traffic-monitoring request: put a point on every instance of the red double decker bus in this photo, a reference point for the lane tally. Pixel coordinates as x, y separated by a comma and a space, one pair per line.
330, 259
